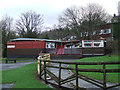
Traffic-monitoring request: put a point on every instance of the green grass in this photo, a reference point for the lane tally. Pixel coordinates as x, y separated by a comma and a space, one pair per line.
2, 59
23, 77
111, 77
0, 76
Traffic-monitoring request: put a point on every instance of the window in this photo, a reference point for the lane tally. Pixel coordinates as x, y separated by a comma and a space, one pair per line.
92, 43
102, 31
86, 33
98, 43
109, 30
78, 45
50, 45
106, 31
86, 43
98, 32
81, 34
94, 32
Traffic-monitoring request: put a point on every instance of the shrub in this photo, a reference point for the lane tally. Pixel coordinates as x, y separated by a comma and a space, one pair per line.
112, 47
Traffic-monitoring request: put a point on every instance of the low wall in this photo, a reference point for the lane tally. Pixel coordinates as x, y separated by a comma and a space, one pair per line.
65, 56
68, 53
93, 51
23, 53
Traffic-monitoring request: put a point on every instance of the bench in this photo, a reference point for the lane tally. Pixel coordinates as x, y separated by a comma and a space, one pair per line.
11, 59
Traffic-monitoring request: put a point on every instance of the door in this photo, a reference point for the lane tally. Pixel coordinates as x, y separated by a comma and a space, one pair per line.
60, 49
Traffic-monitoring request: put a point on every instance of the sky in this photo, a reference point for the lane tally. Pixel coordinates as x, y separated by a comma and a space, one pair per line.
50, 9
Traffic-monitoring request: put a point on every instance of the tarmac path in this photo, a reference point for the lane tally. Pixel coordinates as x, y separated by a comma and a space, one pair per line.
8, 66
82, 83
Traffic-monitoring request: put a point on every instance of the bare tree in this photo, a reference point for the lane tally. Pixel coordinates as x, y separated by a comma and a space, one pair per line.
6, 27
29, 24
84, 18
6, 23
71, 18
93, 15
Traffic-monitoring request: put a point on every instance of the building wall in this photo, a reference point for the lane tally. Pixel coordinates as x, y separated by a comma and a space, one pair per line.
31, 49
25, 49
104, 31
23, 53
25, 44
93, 51
33, 53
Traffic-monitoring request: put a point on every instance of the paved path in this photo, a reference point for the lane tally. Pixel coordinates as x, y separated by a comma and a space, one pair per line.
13, 65
9, 66
82, 83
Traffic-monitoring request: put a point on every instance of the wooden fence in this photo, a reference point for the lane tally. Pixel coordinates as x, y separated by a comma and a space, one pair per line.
43, 68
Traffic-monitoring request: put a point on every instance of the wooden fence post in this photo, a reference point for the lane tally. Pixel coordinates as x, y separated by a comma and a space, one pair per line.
45, 78
76, 68
104, 77
40, 69
59, 75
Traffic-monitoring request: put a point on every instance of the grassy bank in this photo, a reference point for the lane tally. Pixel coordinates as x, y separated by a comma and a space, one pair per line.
23, 77
111, 77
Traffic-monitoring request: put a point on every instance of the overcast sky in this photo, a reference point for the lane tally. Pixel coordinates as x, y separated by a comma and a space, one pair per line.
50, 9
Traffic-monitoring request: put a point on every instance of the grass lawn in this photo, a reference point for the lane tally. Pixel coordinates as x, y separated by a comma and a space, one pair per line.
2, 60
23, 77
111, 77
0, 76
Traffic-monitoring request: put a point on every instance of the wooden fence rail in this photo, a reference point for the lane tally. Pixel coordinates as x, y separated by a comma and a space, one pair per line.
43, 68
